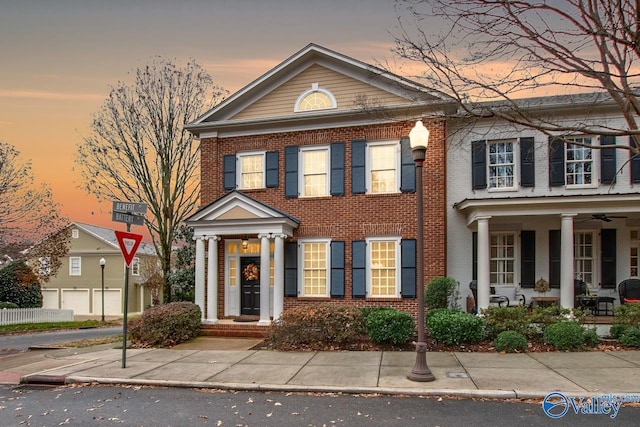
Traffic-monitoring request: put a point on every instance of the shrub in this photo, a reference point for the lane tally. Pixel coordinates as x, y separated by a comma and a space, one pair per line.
591, 338
510, 342
549, 315
441, 292
616, 331
8, 305
500, 319
627, 314
320, 324
20, 285
166, 325
631, 337
390, 326
455, 327
565, 335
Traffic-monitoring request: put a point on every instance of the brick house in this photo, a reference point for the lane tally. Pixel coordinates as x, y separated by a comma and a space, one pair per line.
303, 183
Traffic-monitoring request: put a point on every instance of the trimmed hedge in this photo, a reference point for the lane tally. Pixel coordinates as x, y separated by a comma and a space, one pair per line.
388, 325
565, 335
510, 342
166, 325
455, 327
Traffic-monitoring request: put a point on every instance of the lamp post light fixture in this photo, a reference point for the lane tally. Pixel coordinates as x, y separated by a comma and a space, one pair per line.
419, 139
103, 262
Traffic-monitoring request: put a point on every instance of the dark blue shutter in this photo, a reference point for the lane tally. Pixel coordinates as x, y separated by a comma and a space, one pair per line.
291, 171
408, 169
474, 255
527, 162
337, 169
229, 165
337, 269
272, 169
608, 260
358, 169
556, 162
634, 160
479, 165
290, 269
408, 264
607, 160
527, 258
554, 258
358, 269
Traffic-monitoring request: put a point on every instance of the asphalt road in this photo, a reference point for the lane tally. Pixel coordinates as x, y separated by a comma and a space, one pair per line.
22, 342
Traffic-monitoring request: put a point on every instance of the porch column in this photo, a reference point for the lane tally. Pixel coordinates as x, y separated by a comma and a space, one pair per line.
264, 280
484, 270
278, 276
212, 281
566, 261
199, 267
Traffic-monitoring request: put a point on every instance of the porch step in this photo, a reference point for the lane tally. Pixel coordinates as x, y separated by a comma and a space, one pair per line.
234, 329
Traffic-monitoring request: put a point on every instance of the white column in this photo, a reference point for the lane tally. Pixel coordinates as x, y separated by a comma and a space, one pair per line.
264, 280
566, 261
484, 271
212, 281
278, 276
199, 291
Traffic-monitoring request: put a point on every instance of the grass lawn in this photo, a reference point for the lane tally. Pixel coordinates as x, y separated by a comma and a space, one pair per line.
50, 326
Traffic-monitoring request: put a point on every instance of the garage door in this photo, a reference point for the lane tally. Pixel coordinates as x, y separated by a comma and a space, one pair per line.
76, 300
112, 302
50, 298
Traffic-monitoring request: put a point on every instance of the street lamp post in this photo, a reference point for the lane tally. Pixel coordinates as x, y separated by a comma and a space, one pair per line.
419, 139
103, 262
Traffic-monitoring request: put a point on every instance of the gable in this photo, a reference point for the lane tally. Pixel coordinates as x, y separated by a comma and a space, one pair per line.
88, 242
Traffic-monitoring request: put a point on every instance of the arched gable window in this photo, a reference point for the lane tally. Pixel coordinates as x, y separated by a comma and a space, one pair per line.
315, 98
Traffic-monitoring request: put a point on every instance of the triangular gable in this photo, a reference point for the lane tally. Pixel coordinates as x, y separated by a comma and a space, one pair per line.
236, 205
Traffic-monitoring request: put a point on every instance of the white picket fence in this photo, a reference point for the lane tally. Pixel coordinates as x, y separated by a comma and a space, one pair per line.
15, 316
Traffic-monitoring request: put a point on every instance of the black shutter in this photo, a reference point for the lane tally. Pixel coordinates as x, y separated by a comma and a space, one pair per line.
358, 169
408, 264
229, 165
635, 161
474, 255
337, 169
272, 169
408, 169
608, 259
527, 162
290, 269
607, 160
358, 269
337, 269
291, 171
556, 162
527, 258
479, 164
554, 258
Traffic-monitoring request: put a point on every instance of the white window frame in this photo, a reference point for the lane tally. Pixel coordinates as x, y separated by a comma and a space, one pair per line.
302, 174
45, 266
75, 233
398, 270
595, 251
502, 259
634, 259
595, 177
398, 164
314, 88
514, 164
301, 269
239, 174
72, 269
135, 266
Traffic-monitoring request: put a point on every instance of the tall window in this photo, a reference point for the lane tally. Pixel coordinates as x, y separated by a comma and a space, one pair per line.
634, 253
579, 162
502, 258
583, 256
75, 266
315, 267
251, 170
135, 266
384, 268
501, 164
383, 168
315, 172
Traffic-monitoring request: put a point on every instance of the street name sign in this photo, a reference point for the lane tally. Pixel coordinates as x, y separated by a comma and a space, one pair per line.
127, 218
129, 207
129, 243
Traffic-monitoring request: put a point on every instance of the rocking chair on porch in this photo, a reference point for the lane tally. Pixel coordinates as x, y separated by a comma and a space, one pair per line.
629, 291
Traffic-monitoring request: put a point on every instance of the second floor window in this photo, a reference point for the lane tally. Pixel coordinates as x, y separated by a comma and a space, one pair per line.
579, 162
75, 266
135, 266
251, 170
501, 164
383, 168
315, 172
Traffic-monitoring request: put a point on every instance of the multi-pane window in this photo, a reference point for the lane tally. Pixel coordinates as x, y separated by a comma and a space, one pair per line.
502, 258
579, 162
634, 253
383, 168
583, 256
315, 267
75, 266
384, 268
45, 266
315, 172
251, 170
135, 266
501, 164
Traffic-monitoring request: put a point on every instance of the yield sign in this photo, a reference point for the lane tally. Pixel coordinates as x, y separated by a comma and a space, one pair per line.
129, 243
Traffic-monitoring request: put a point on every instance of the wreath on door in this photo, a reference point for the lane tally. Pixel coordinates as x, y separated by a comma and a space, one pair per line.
251, 272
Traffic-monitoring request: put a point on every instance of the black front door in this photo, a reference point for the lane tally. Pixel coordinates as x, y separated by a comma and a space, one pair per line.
250, 284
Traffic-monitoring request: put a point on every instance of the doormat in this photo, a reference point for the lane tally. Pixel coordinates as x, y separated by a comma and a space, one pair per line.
246, 319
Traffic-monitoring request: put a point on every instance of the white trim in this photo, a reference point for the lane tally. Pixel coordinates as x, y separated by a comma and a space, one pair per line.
398, 265
245, 154
515, 143
595, 161
301, 243
315, 88
301, 172
71, 272
398, 165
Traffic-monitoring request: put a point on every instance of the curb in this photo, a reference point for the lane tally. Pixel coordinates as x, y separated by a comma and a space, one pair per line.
42, 379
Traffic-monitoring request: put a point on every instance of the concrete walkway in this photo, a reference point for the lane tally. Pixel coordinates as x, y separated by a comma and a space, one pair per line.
224, 363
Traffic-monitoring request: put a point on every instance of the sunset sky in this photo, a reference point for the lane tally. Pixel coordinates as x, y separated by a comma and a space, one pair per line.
59, 58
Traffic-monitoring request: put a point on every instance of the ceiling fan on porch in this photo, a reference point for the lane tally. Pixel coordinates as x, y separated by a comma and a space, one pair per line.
605, 217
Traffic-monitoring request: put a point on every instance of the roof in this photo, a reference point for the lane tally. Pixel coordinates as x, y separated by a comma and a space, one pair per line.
108, 236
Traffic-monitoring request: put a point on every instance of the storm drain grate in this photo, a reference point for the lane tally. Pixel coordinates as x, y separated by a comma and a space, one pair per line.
457, 375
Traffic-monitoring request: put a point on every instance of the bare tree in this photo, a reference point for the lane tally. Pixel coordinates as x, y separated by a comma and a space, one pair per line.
139, 150
151, 278
487, 54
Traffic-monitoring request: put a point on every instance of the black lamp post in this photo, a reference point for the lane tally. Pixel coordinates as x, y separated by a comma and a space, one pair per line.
103, 262
419, 139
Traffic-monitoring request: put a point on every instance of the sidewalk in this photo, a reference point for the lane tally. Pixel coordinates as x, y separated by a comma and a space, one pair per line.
225, 363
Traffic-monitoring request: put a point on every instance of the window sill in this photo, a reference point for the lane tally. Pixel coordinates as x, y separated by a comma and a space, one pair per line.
385, 194
502, 190
308, 298
385, 299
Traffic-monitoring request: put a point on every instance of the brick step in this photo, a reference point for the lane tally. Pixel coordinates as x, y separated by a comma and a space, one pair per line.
234, 329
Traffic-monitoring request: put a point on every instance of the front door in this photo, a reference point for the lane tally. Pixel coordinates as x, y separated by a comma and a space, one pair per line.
250, 284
